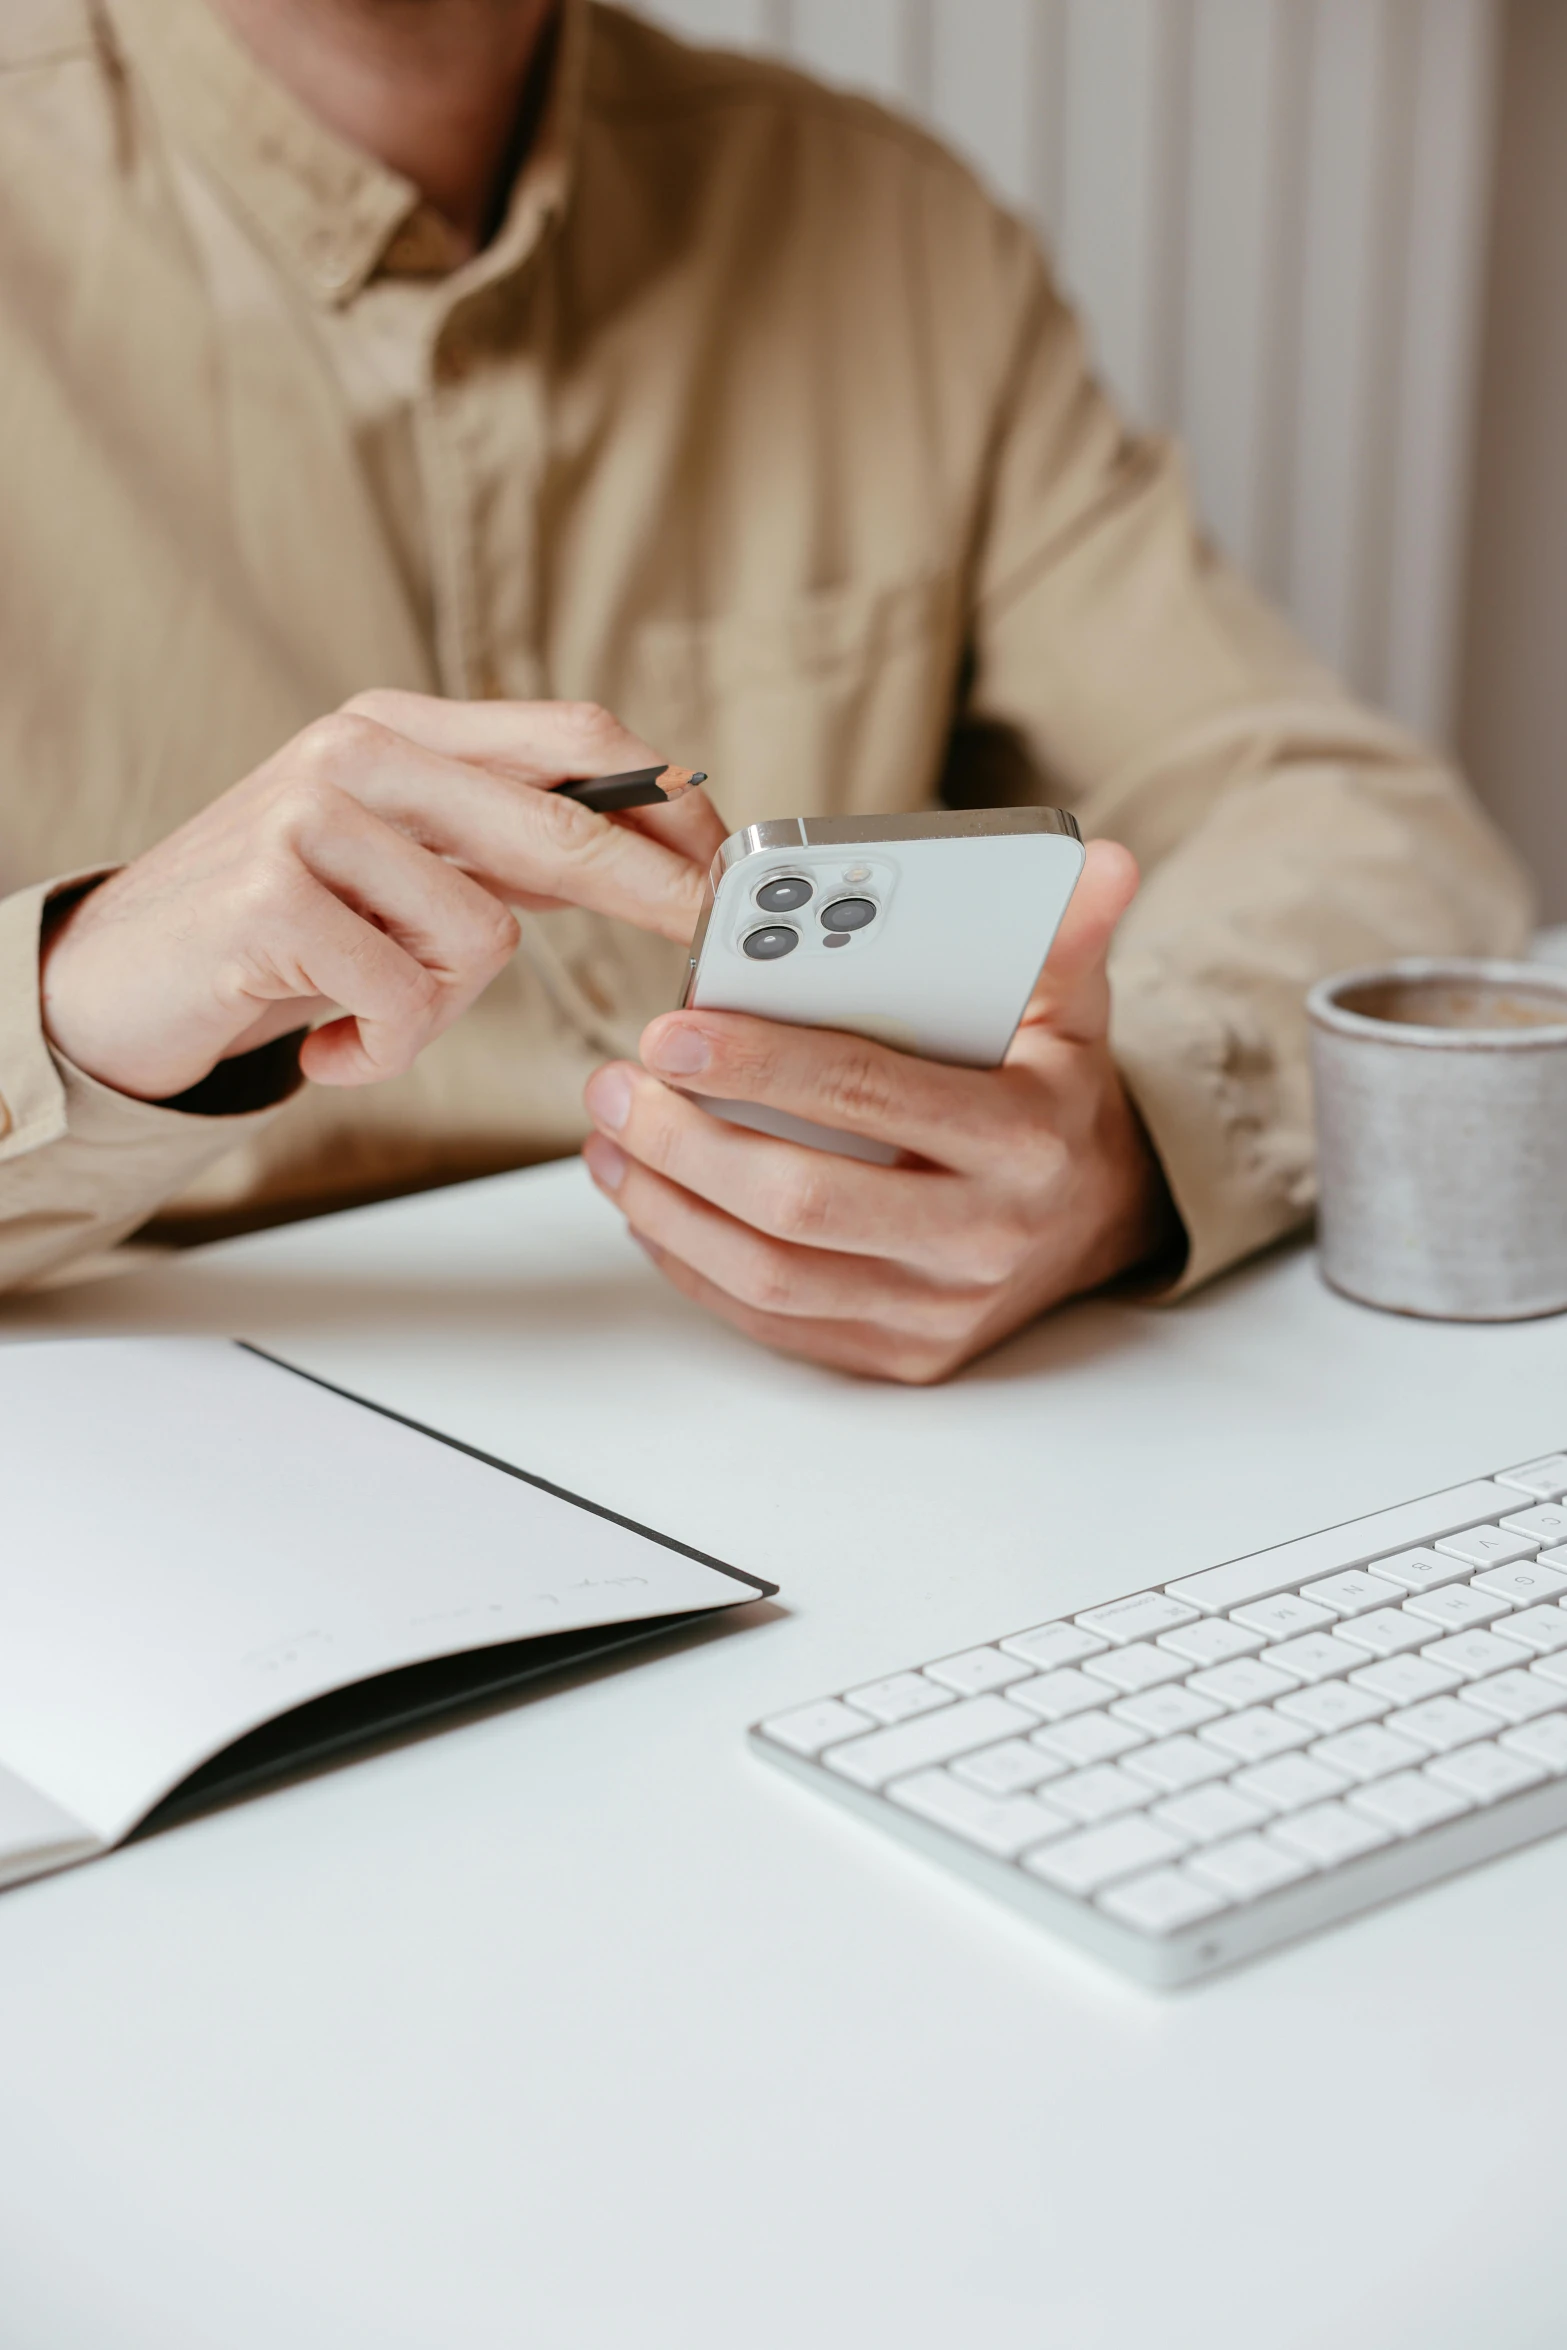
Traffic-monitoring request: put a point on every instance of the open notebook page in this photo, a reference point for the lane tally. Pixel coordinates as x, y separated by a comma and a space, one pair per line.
198, 1539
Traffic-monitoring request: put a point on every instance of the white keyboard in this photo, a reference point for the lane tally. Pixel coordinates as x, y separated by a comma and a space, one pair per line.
1187, 1776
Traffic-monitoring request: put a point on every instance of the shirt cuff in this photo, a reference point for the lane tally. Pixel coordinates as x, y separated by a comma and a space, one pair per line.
1230, 1130
80, 1164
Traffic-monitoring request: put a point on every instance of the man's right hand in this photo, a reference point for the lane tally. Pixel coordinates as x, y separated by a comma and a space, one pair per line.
371, 867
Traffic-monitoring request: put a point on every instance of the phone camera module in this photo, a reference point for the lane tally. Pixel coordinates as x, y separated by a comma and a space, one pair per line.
784, 894
766, 945
848, 914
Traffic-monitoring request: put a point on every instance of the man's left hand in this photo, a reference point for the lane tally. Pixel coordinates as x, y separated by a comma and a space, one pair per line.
1020, 1186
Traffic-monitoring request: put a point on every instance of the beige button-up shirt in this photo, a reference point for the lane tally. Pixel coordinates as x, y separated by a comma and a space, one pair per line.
757, 421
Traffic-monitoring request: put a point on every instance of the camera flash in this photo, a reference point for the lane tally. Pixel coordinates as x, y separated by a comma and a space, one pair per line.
856, 873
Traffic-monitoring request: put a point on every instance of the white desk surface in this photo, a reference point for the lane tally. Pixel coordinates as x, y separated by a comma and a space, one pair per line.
577, 2027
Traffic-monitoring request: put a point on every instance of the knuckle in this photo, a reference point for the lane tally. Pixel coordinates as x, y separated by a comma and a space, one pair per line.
589, 723
505, 932
767, 1281
993, 1249
859, 1086
343, 739
382, 705
800, 1203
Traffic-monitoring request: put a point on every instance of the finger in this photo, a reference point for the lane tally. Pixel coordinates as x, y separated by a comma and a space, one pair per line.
518, 842
542, 744
786, 1189
862, 1348
960, 1118
1073, 993
323, 948
459, 931
774, 1276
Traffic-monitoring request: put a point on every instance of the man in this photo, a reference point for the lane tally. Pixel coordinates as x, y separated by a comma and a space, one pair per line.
488, 365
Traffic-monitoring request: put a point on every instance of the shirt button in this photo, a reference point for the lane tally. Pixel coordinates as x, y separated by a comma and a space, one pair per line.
332, 266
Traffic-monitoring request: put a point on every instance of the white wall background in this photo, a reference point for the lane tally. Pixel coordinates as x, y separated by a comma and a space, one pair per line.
1273, 214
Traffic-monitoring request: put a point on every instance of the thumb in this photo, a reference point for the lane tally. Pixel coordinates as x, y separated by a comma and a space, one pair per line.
1072, 997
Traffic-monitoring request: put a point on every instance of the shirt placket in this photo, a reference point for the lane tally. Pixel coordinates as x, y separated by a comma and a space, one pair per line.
479, 429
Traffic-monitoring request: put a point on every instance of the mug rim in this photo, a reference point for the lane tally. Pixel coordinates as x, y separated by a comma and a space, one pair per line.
1324, 1011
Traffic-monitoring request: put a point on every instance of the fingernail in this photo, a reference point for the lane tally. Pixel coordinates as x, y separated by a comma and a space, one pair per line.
606, 1164
679, 1052
608, 1096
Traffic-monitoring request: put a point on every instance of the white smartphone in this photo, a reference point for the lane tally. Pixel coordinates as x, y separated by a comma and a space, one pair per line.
924, 932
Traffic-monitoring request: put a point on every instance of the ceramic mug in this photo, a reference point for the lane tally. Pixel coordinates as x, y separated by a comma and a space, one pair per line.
1441, 1107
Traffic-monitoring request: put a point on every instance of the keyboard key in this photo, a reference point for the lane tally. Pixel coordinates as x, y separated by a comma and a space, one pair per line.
1407, 1802
1330, 1833
1049, 1645
1457, 1606
1055, 1695
1487, 1546
1246, 1867
1404, 1680
1543, 1629
1485, 1772
1421, 1570
1546, 1522
1205, 1814
1514, 1696
1442, 1723
1316, 1656
935, 1737
1137, 1618
1254, 1735
1089, 1738
1385, 1631
977, 1670
1002, 1824
1241, 1682
1161, 1712
1161, 1902
1288, 1783
1177, 1762
1140, 1667
1355, 1544
1523, 1585
1544, 1741
1332, 1705
1474, 1654
1283, 1617
1550, 1668
1082, 1863
811, 1727
1351, 1593
1098, 1793
1546, 1478
898, 1699
1008, 1769
1211, 1641
1368, 1753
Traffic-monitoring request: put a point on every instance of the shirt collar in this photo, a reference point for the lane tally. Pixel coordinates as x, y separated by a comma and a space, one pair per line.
332, 216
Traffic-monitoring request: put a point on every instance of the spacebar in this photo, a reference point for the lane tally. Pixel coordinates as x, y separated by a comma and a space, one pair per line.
1350, 1545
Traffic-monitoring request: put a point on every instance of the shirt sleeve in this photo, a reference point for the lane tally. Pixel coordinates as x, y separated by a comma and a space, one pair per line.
81, 1165
1283, 831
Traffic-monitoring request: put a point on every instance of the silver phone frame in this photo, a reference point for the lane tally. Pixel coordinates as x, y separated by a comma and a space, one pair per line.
862, 832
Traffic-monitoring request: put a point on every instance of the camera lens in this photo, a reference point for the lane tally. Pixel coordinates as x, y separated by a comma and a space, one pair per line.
783, 895
848, 914
765, 946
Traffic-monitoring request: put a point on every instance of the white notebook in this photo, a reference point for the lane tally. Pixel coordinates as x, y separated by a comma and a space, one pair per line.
214, 1568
